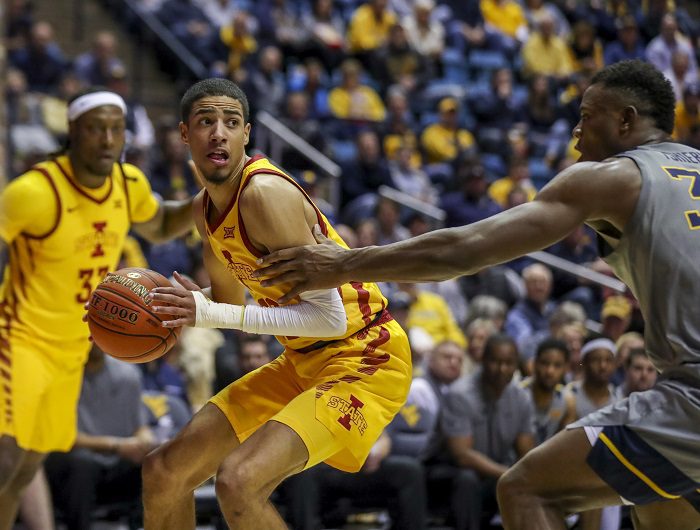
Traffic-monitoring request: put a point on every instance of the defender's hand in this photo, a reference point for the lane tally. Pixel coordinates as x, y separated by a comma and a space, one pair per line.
305, 268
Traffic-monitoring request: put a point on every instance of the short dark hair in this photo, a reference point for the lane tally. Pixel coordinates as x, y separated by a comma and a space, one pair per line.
553, 344
650, 91
496, 340
633, 354
214, 86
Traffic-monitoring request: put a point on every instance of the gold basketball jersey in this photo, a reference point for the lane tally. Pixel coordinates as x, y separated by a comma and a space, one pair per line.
363, 302
60, 254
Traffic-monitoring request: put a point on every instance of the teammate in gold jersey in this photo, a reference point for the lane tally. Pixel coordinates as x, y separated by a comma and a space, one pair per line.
62, 227
346, 368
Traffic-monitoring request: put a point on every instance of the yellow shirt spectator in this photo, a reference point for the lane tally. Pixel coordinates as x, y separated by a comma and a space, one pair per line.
507, 16
685, 120
239, 42
369, 27
500, 189
443, 141
431, 313
550, 57
360, 103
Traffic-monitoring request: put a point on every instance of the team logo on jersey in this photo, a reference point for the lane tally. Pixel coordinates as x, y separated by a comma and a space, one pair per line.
242, 271
230, 232
350, 411
98, 240
118, 203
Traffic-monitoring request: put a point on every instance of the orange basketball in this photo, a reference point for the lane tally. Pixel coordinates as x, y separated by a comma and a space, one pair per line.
121, 321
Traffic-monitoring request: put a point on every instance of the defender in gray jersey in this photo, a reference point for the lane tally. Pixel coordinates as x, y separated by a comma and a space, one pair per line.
641, 193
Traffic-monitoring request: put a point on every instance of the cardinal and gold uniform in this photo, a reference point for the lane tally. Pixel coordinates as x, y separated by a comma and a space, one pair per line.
62, 239
337, 394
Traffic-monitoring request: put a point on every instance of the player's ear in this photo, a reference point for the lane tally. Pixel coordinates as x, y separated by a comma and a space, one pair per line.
628, 117
246, 133
184, 132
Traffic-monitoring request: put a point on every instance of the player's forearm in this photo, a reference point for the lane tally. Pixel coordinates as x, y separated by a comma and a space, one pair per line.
480, 463
435, 256
103, 444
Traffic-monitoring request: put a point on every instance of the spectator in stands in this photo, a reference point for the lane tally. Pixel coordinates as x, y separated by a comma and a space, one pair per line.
470, 203
507, 18
96, 67
396, 482
659, 51
266, 83
586, 48
679, 74
410, 179
18, 23
625, 344
489, 424
499, 281
399, 126
113, 438
530, 315
298, 120
548, 129
140, 131
490, 308
191, 26
555, 406
595, 389
388, 215
369, 29
163, 375
578, 247
240, 44
518, 176
197, 359
592, 392
368, 171
430, 312
687, 112
427, 36
572, 96
219, 12
170, 171
41, 60
478, 333
545, 52
628, 45
353, 100
398, 63
465, 25
281, 25
573, 335
445, 140
326, 30
640, 373
311, 79
497, 109
534, 9
367, 233
616, 316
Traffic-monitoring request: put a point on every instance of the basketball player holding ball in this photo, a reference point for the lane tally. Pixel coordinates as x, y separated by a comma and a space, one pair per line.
346, 368
62, 228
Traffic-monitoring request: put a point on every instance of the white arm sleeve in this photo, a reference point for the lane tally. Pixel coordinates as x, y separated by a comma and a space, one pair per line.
319, 314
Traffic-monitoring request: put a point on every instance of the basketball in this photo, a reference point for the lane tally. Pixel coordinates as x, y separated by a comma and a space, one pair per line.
120, 319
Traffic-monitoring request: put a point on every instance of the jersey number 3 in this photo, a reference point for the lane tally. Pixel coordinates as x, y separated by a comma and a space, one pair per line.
678, 173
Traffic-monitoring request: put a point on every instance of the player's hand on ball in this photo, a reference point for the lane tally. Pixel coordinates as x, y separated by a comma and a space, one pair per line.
176, 301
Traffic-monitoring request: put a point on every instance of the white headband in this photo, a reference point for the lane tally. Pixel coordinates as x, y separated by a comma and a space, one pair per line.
598, 344
90, 101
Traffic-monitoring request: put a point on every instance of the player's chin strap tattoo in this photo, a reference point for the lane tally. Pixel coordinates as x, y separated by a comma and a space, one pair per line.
319, 314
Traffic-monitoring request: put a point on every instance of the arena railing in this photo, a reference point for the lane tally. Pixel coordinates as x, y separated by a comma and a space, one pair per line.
150, 27
272, 135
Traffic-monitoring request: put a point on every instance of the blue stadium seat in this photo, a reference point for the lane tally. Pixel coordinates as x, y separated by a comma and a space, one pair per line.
540, 172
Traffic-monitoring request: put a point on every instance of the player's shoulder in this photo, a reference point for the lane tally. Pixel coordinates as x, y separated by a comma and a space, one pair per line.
30, 183
267, 188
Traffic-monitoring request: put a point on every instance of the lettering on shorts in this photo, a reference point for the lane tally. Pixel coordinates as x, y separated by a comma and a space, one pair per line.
350, 411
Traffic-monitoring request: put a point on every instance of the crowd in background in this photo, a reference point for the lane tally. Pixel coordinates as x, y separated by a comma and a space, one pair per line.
464, 105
